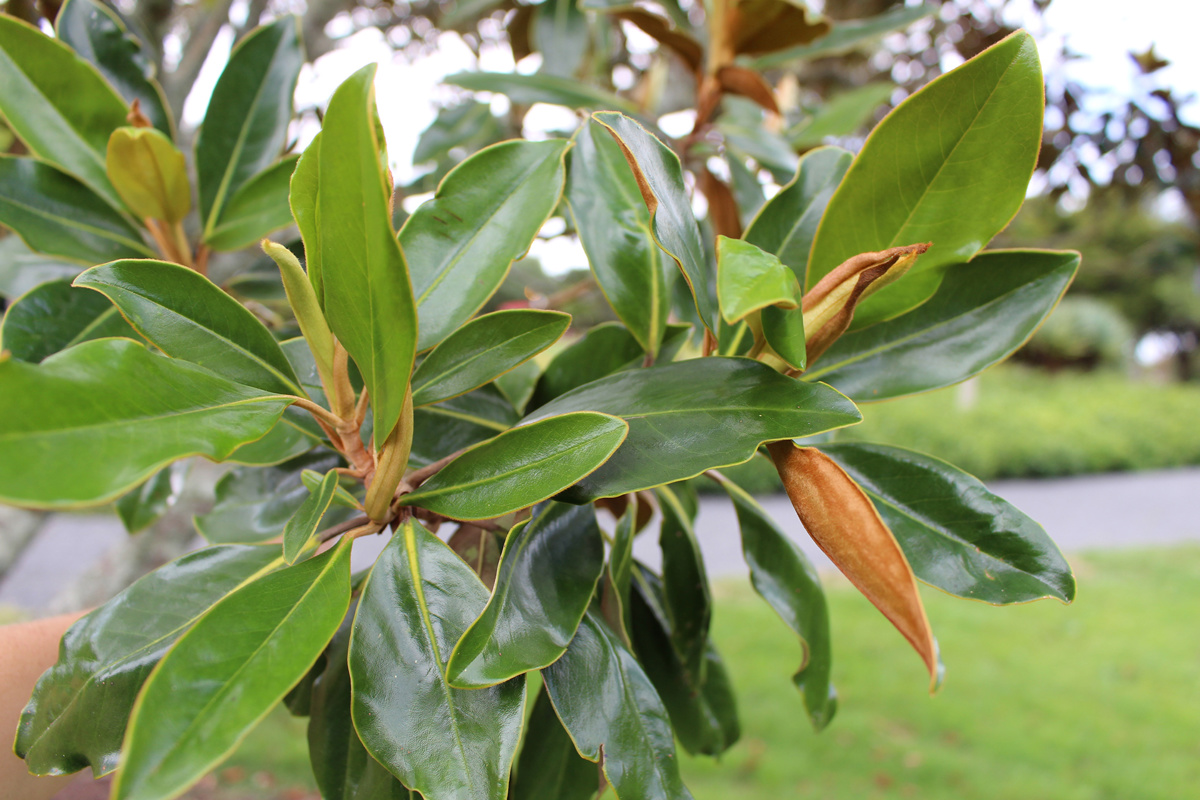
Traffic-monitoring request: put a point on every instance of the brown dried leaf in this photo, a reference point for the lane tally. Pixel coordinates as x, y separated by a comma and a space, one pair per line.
764, 26
722, 206
747, 83
661, 30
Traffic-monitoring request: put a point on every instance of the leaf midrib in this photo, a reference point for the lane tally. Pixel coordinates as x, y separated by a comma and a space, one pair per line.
103, 233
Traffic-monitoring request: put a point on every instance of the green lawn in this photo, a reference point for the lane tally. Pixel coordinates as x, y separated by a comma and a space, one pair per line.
1100, 699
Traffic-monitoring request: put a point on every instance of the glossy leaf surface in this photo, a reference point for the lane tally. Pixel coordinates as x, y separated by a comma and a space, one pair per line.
417, 603
521, 467
228, 671
182, 313
784, 577
602, 350
549, 766
545, 581
459, 422
687, 598
517, 384
304, 524
749, 279
660, 178
614, 229
55, 316
949, 165
146, 504
957, 535
483, 349
541, 89
58, 104
245, 127
840, 518
290, 437
484, 215
787, 223
156, 410
365, 290
99, 35
982, 312
256, 209
695, 415
149, 173
605, 700
56, 214
78, 712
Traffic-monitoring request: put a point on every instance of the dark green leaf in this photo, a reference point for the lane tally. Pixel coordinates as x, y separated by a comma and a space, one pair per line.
545, 582
485, 215
602, 350
848, 35
458, 423
55, 316
256, 209
58, 104
783, 330
704, 715
521, 467
783, 576
99, 34
341, 495
949, 165
60, 448
687, 598
620, 570
228, 671
605, 701
982, 312
56, 214
788, 222
530, 89
245, 127
548, 767
614, 229
956, 534
146, 504
660, 178
254, 505
182, 313
22, 269
517, 385
696, 415
291, 437
483, 349
78, 712
452, 744
303, 526
840, 115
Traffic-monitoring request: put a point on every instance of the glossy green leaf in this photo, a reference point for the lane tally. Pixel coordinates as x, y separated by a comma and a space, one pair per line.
541, 88
100, 35
483, 349
982, 312
223, 676
696, 415
56, 214
254, 505
303, 526
183, 314
341, 495
660, 178
517, 385
78, 712
956, 534
614, 229
256, 209
303, 197
58, 104
749, 280
703, 714
521, 467
291, 436
342, 766
783, 330
146, 504
367, 298
22, 269
602, 350
620, 570
848, 35
548, 766
61, 448
788, 222
547, 575
245, 127
485, 214
459, 422
840, 115
949, 165
55, 316
784, 577
417, 603
687, 598
605, 701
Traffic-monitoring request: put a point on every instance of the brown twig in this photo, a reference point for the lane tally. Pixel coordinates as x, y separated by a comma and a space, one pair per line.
417, 477
342, 527
321, 413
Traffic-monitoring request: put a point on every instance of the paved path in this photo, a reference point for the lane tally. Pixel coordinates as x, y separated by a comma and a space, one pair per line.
1121, 510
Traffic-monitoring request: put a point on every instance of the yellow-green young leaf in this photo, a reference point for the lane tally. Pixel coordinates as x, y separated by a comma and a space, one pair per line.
56, 315
749, 280
841, 520
949, 165
149, 173
302, 527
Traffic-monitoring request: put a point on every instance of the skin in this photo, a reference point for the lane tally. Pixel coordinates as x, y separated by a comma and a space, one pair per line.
26, 650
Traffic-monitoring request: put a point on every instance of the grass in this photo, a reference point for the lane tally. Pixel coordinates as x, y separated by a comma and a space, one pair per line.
1096, 700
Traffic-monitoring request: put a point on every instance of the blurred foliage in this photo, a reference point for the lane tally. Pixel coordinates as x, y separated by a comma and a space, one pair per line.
1082, 332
